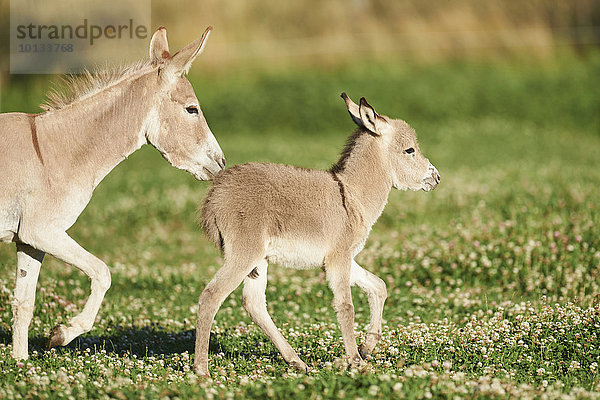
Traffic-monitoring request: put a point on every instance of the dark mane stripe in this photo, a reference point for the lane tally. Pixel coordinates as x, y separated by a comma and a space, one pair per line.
350, 143
342, 189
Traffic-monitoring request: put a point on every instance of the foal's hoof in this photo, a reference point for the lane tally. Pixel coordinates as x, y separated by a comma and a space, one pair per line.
356, 362
57, 336
365, 350
202, 374
299, 365
344, 363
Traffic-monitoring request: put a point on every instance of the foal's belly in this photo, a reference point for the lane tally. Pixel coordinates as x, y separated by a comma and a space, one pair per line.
298, 254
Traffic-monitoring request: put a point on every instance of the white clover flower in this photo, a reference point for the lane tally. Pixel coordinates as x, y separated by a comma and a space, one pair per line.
574, 365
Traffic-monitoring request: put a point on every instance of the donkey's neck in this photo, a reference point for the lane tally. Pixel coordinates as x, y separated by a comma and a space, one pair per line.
92, 136
363, 172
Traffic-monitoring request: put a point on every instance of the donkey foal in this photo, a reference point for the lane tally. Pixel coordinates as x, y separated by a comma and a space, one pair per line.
259, 213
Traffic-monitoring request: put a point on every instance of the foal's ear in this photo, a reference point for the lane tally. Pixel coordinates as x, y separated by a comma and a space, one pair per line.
159, 47
352, 110
181, 61
364, 116
370, 119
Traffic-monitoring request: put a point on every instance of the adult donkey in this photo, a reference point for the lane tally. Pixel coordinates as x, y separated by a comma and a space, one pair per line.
51, 163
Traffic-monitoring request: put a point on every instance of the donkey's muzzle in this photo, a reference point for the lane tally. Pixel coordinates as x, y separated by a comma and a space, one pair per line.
221, 161
216, 166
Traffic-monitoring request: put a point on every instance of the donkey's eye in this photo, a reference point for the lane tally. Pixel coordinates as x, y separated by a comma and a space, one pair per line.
192, 109
409, 150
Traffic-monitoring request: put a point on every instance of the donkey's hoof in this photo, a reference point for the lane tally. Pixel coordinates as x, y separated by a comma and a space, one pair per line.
298, 365
57, 337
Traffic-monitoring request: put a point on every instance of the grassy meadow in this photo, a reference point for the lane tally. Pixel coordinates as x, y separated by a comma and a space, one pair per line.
493, 278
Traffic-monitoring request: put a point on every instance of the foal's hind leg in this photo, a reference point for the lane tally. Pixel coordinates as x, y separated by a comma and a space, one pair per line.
229, 277
61, 246
255, 303
374, 288
29, 261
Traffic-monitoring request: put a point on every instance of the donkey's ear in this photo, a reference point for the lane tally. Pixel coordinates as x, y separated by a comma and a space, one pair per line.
353, 110
370, 119
181, 62
159, 47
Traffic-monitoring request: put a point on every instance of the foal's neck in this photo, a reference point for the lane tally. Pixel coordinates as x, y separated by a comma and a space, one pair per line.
362, 170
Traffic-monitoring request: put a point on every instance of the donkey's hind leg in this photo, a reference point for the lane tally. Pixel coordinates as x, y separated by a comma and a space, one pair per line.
63, 247
255, 303
232, 273
374, 288
29, 261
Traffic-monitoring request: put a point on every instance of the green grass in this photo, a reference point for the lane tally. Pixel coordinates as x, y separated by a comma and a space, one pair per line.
493, 278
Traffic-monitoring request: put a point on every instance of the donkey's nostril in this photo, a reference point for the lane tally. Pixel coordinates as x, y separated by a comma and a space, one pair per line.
221, 162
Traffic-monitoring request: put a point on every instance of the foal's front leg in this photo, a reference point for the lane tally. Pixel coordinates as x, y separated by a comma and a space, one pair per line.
338, 275
29, 261
63, 247
374, 288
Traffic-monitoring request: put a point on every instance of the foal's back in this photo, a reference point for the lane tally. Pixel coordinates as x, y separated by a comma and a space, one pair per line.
271, 203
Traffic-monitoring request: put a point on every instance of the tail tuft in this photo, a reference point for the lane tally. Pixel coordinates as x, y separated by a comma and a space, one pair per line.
209, 223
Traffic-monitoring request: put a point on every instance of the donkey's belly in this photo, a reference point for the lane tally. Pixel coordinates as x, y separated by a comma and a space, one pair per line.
299, 254
9, 222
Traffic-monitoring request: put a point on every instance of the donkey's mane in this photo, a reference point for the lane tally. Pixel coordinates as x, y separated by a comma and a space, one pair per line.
78, 86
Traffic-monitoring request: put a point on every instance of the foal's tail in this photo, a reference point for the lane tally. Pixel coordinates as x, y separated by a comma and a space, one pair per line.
208, 220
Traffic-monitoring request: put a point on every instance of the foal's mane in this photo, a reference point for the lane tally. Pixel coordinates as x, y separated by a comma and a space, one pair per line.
351, 143
87, 83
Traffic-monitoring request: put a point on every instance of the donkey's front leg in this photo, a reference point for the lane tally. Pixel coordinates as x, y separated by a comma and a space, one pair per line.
29, 261
374, 288
338, 275
61, 246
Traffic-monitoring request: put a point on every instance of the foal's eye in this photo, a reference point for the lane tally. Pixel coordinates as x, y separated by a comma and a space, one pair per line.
409, 150
192, 109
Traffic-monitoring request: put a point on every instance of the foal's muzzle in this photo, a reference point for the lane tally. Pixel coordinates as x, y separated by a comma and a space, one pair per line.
432, 178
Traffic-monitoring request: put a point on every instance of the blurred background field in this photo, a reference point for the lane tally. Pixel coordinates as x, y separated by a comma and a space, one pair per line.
270, 32
505, 99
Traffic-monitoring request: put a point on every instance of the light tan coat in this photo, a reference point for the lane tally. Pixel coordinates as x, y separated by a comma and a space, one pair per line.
259, 213
51, 163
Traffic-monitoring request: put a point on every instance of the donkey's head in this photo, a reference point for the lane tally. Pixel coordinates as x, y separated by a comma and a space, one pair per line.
176, 126
408, 166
